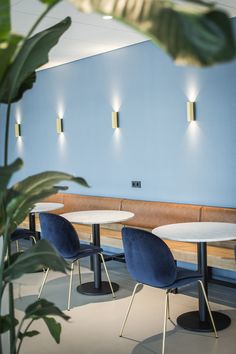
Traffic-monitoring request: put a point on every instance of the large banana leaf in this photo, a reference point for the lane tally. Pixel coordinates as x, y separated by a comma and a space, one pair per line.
7, 172
192, 32
5, 20
8, 41
33, 54
41, 255
17, 201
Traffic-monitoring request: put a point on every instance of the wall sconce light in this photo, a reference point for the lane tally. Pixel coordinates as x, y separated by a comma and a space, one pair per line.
191, 111
17, 130
115, 120
59, 125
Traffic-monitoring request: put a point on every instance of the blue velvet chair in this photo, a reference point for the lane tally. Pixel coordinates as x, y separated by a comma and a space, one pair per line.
61, 234
150, 262
22, 234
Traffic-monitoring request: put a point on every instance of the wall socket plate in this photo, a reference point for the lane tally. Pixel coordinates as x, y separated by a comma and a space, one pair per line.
136, 184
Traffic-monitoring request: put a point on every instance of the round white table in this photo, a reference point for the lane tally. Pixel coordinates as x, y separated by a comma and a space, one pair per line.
40, 208
96, 218
201, 233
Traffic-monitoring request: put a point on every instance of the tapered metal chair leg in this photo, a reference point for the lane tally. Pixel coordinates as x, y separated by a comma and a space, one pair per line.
17, 246
168, 306
33, 239
78, 264
208, 307
168, 309
128, 310
70, 286
108, 278
44, 280
165, 321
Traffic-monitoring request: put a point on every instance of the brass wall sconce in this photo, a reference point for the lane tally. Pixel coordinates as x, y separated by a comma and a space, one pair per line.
17, 130
59, 125
191, 116
115, 120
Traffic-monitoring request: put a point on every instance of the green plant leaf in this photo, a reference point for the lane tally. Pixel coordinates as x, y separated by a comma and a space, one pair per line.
194, 39
5, 323
191, 32
28, 334
32, 55
50, 2
54, 328
7, 50
6, 173
42, 308
5, 20
41, 255
16, 203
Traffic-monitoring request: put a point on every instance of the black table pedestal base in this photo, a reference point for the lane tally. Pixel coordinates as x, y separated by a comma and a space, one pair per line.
104, 289
191, 322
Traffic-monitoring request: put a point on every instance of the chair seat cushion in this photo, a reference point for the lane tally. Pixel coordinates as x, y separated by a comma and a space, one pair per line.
184, 277
85, 251
21, 233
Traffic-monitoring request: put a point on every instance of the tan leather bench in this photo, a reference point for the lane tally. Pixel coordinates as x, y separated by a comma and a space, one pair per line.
149, 214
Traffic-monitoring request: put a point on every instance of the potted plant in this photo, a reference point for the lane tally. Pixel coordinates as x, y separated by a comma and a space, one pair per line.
192, 32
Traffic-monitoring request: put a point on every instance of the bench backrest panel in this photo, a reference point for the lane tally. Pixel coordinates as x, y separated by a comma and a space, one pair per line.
218, 214
153, 214
73, 202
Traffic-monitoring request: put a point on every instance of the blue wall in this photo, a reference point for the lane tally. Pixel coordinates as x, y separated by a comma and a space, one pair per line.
176, 161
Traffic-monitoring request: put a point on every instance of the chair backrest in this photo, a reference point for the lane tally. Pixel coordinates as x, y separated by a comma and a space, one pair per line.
149, 260
60, 233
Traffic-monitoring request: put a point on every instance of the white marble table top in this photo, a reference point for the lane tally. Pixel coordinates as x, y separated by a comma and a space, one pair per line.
197, 231
91, 217
46, 206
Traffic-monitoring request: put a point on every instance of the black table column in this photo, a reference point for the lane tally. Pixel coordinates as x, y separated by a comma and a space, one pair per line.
199, 321
32, 226
98, 287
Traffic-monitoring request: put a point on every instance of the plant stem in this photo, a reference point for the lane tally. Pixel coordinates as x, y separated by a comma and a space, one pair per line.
7, 134
21, 340
12, 315
11, 298
3, 255
2, 284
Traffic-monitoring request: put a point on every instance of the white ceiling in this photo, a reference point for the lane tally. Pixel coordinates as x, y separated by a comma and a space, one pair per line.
88, 35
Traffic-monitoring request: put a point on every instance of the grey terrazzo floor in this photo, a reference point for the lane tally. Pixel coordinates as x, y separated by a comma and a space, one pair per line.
95, 321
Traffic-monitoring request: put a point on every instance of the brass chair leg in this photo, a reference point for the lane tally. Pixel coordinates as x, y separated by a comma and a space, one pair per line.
165, 321
17, 246
168, 308
78, 264
70, 286
208, 307
44, 280
33, 239
108, 278
128, 310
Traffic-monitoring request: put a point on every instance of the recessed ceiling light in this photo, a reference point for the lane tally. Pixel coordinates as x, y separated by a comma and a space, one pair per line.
107, 17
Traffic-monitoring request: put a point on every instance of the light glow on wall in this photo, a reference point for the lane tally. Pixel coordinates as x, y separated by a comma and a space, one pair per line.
193, 135
192, 86
115, 102
62, 145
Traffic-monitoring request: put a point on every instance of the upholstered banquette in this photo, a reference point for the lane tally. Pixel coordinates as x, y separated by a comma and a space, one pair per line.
150, 214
